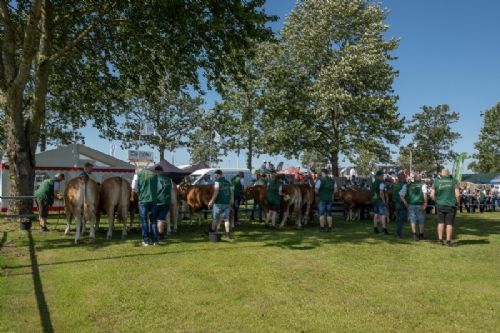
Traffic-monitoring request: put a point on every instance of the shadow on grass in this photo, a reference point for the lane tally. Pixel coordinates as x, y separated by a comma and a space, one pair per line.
4, 239
43, 309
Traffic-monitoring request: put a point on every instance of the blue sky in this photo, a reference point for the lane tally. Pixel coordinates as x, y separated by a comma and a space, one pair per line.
449, 54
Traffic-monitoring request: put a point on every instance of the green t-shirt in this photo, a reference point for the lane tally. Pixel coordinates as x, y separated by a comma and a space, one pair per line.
46, 191
444, 190
326, 188
147, 186
396, 199
224, 195
273, 192
376, 191
165, 192
415, 195
236, 182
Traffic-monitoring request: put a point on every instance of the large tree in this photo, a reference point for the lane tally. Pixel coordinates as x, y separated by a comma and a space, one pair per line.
488, 145
94, 50
329, 82
433, 136
172, 112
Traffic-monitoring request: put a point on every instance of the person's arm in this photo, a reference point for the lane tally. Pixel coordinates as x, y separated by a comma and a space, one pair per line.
382, 193
317, 186
424, 191
402, 195
457, 195
135, 181
214, 196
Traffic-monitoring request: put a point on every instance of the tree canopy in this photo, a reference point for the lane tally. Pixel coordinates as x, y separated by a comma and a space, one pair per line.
488, 145
433, 136
329, 82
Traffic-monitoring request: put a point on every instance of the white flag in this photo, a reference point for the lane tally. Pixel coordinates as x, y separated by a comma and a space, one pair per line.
217, 137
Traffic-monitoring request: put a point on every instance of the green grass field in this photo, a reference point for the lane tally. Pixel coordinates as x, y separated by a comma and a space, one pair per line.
261, 281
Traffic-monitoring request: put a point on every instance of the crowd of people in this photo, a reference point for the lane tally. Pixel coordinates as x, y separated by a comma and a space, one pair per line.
411, 200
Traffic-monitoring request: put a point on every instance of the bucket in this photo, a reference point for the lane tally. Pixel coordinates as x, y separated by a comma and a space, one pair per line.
214, 237
25, 224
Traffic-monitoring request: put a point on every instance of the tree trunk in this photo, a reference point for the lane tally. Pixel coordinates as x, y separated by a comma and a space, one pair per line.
250, 153
334, 161
43, 142
162, 152
21, 157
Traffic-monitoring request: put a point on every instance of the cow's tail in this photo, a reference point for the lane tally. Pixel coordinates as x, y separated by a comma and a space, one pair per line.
85, 199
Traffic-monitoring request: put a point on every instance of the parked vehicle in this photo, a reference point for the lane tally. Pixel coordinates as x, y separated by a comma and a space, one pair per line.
227, 173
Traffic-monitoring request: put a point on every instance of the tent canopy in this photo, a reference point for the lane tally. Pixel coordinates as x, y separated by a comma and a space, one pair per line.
171, 170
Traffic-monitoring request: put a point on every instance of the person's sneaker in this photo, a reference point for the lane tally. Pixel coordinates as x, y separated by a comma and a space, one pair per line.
375, 230
329, 229
415, 237
450, 244
421, 237
44, 228
386, 232
227, 235
321, 229
144, 244
441, 242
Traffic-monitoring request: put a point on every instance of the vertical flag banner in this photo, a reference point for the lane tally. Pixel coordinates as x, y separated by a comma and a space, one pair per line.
457, 167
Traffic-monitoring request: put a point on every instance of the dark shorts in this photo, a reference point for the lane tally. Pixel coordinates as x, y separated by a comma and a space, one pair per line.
379, 208
273, 207
446, 214
325, 207
43, 208
162, 211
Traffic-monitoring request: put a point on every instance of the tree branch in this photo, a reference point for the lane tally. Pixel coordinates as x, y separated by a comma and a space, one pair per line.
72, 44
8, 47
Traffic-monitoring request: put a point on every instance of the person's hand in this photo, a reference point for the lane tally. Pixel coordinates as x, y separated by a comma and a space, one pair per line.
210, 203
58, 196
424, 206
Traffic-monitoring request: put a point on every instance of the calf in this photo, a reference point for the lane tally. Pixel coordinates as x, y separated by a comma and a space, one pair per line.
353, 200
259, 194
81, 201
292, 197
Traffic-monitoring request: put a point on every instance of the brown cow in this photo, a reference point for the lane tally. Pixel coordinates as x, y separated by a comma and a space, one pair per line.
292, 197
307, 193
259, 194
353, 200
115, 195
197, 198
81, 201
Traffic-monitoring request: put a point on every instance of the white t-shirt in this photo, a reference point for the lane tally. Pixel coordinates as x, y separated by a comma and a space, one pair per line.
135, 183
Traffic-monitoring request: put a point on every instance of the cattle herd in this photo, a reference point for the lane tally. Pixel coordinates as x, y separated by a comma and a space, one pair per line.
85, 200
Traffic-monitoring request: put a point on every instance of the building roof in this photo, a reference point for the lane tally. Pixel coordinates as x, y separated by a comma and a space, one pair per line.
76, 155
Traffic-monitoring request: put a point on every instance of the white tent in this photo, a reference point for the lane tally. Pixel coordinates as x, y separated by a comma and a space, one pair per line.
70, 160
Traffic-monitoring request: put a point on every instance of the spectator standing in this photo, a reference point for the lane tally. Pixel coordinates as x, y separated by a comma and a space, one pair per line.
164, 200
88, 168
238, 187
220, 202
400, 204
446, 195
145, 183
324, 188
379, 201
416, 197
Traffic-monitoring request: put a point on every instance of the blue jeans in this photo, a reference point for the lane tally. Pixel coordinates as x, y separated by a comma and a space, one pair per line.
401, 217
144, 209
220, 210
236, 205
259, 210
417, 214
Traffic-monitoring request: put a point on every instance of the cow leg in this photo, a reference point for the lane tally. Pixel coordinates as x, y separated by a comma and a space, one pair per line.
69, 218
79, 226
92, 228
111, 220
298, 214
285, 217
123, 217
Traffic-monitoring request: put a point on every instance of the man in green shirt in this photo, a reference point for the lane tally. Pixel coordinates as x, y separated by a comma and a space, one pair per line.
379, 202
400, 204
416, 196
324, 188
164, 201
238, 188
44, 197
221, 200
145, 183
446, 195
